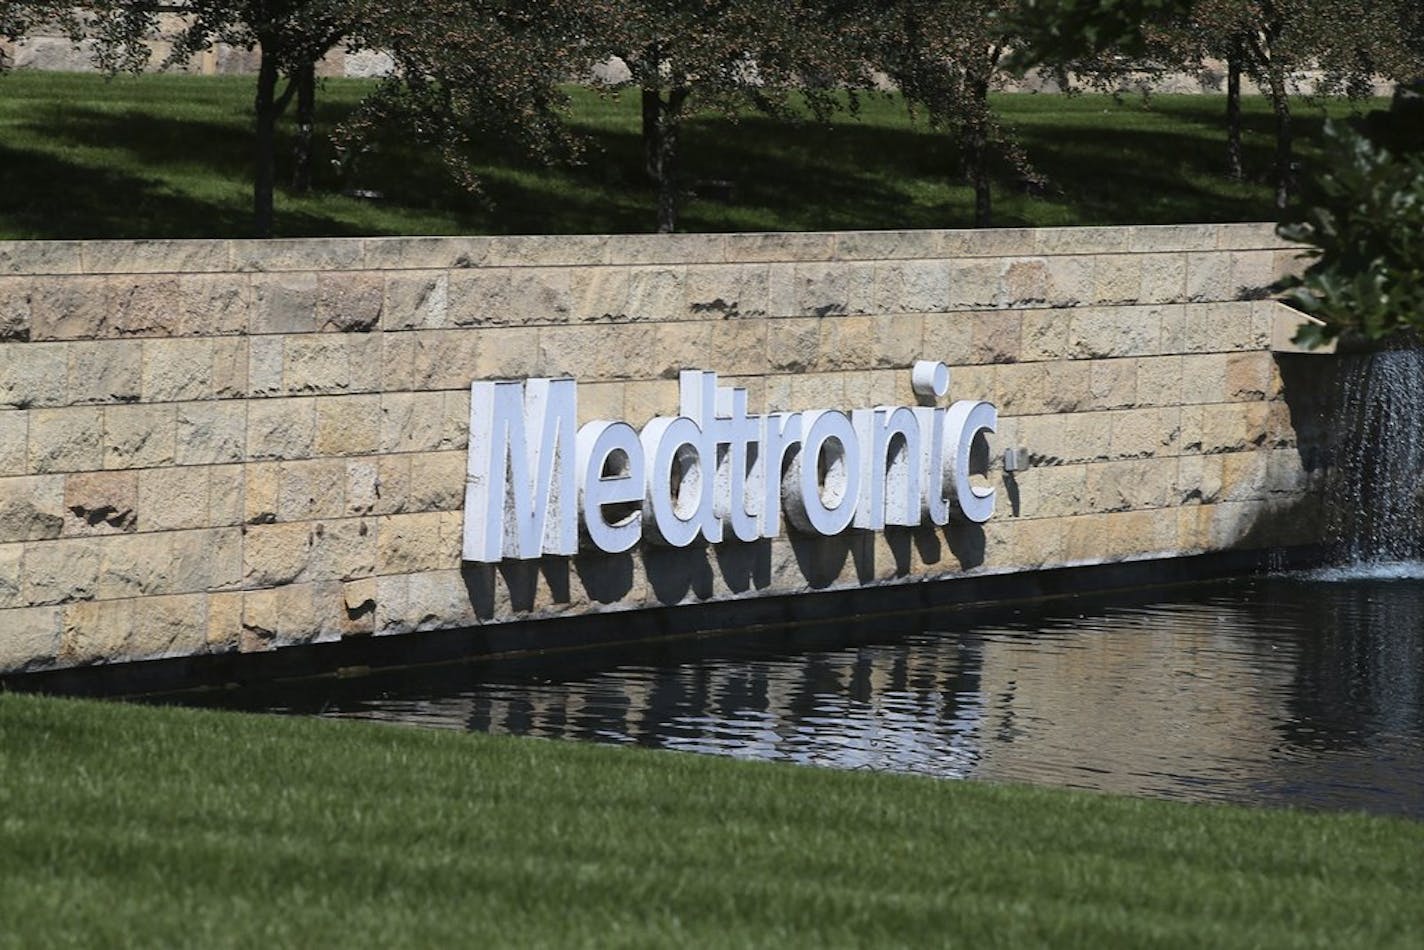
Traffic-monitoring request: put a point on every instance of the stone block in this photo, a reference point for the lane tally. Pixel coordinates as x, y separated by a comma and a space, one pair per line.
1204, 378
1139, 533
284, 303
408, 543
437, 599
509, 297
103, 372
262, 486
60, 571
599, 295
1249, 376
1145, 433
782, 246
885, 245
423, 253
975, 285
1199, 479
657, 293
596, 353
11, 574
350, 302
1114, 331
899, 340
1030, 388
839, 288
95, 631
793, 345
65, 440
816, 391
987, 242
601, 401
437, 481
1163, 278
100, 503
1252, 273
975, 382
174, 625
15, 304
213, 304
411, 422
281, 428
445, 359
358, 607
172, 498
173, 370
996, 337
916, 286
1116, 280
341, 549
348, 425
397, 362
455, 429
69, 308
502, 353
1132, 484
1081, 240
33, 374
227, 494
31, 640
14, 442
224, 622
1178, 323
311, 489
1171, 237
726, 291
141, 306
137, 436
847, 343
41, 257
208, 559
275, 554
209, 433
1209, 276
261, 610
265, 359
543, 250
296, 254
316, 364
363, 488
645, 400
1112, 384
666, 249
1049, 491
31, 508
416, 301
1244, 476
1066, 439
1159, 381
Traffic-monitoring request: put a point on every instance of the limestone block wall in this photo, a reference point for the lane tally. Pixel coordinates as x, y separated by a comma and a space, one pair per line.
217, 446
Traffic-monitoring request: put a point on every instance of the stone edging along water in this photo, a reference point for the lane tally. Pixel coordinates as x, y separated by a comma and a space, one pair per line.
228, 446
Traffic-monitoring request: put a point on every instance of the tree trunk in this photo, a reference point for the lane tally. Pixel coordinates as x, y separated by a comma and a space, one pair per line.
264, 179
652, 113
1280, 104
669, 123
976, 153
1234, 169
306, 121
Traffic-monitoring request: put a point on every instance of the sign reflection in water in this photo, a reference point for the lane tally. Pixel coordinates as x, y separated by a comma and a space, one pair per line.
1299, 691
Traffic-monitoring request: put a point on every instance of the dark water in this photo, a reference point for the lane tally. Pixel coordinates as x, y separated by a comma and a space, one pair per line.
1306, 690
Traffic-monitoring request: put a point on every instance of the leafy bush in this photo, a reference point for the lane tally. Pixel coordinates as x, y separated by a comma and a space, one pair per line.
1362, 215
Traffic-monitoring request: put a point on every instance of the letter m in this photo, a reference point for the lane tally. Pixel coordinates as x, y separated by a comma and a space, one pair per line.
520, 493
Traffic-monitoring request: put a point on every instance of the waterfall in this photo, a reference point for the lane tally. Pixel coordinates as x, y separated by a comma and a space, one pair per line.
1375, 508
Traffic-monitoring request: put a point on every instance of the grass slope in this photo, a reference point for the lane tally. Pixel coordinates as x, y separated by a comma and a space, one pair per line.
170, 156
123, 825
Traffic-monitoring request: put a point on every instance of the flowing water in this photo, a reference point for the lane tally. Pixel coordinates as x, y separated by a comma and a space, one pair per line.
1379, 426
1303, 689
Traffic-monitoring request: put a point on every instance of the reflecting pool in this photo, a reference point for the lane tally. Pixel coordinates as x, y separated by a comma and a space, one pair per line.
1304, 689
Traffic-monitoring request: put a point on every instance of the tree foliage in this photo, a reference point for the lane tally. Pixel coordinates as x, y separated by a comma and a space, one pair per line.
1363, 221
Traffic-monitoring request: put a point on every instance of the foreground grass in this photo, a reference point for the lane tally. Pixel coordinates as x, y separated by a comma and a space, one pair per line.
170, 156
124, 825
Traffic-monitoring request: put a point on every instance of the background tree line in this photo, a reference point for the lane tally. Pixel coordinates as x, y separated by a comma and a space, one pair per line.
470, 73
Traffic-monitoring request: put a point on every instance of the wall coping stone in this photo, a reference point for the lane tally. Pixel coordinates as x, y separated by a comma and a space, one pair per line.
41, 258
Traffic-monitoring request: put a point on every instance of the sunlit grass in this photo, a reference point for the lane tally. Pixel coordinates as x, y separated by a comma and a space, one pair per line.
81, 156
136, 826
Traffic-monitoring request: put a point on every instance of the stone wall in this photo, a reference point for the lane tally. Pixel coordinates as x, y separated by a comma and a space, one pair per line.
219, 446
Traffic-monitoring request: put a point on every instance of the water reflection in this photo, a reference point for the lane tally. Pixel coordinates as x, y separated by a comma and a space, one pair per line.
1285, 690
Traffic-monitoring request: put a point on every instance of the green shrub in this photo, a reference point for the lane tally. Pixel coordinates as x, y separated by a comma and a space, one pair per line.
1362, 216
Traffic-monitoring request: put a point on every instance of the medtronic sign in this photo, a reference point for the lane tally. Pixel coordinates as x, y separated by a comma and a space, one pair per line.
537, 484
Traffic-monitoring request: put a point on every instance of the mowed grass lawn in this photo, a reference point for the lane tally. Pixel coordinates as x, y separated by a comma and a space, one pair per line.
170, 156
129, 825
